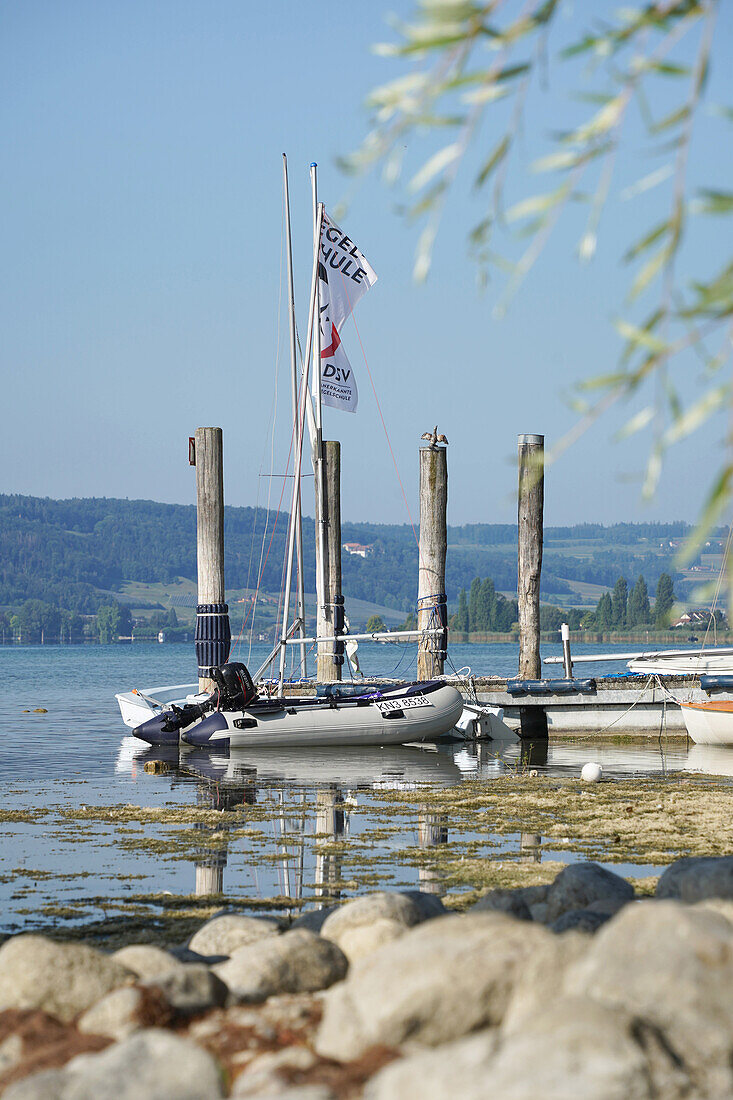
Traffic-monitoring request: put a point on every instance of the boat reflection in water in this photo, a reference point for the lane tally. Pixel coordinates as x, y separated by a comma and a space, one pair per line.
321, 807
710, 759
288, 782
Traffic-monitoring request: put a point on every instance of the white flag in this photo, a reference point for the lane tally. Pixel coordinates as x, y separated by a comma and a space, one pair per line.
344, 276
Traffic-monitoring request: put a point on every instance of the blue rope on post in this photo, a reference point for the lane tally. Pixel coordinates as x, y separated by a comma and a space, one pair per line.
438, 618
339, 623
213, 636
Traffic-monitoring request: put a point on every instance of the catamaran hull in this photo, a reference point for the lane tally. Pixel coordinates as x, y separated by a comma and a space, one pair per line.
393, 720
709, 722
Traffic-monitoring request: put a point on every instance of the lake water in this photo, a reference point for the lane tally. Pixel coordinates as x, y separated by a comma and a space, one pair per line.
301, 825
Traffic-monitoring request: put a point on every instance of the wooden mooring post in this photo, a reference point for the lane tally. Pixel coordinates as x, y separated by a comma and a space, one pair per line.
431, 599
330, 601
531, 453
213, 633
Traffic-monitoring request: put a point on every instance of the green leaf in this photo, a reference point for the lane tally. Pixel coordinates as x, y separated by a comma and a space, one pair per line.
396, 93
715, 505
603, 381
649, 271
437, 163
601, 122
713, 202
511, 72
714, 297
587, 246
565, 159
721, 111
488, 94
653, 471
496, 157
592, 97
648, 326
666, 68
653, 179
452, 9
696, 414
589, 42
554, 162
636, 424
537, 204
424, 253
422, 45
672, 119
544, 12
428, 201
640, 337
646, 242
577, 405
480, 233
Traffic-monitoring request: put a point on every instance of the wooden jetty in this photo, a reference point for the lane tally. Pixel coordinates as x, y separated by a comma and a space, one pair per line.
618, 705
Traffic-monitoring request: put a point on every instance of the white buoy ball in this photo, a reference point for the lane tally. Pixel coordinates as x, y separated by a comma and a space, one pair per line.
591, 772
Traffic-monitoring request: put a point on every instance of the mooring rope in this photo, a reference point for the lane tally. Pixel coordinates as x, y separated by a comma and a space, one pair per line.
629, 709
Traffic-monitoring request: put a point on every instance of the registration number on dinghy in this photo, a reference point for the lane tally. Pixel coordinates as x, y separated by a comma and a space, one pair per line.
408, 703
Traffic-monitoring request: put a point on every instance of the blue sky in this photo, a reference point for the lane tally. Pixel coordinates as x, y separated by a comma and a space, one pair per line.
142, 249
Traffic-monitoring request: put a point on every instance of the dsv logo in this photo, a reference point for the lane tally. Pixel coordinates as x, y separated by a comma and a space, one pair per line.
336, 374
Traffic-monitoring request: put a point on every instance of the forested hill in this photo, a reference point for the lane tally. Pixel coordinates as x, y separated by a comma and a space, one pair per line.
67, 552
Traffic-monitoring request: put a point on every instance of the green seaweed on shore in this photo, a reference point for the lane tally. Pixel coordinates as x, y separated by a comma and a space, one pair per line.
187, 815
26, 816
166, 919
622, 821
511, 831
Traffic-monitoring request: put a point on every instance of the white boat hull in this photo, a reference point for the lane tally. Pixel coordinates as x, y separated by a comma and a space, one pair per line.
137, 707
393, 719
709, 723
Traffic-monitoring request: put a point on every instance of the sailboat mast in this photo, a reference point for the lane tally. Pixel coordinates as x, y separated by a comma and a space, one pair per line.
321, 502
304, 397
317, 247
294, 395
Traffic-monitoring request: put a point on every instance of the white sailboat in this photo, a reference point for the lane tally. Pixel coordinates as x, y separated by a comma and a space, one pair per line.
716, 660
709, 721
237, 713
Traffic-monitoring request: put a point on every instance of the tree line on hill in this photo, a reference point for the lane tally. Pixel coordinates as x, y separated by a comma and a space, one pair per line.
484, 610
488, 534
74, 555
625, 609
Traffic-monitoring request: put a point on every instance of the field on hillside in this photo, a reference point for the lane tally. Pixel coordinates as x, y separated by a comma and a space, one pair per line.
180, 594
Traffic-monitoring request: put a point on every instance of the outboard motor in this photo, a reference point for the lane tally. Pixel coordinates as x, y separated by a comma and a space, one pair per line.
165, 728
236, 690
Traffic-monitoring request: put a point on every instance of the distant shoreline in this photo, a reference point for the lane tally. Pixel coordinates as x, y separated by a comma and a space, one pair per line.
646, 639
643, 640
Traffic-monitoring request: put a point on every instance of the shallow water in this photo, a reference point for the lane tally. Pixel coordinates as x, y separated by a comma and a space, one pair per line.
304, 826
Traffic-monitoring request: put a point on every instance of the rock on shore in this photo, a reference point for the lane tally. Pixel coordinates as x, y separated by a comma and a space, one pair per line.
63, 979
576, 989
444, 979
